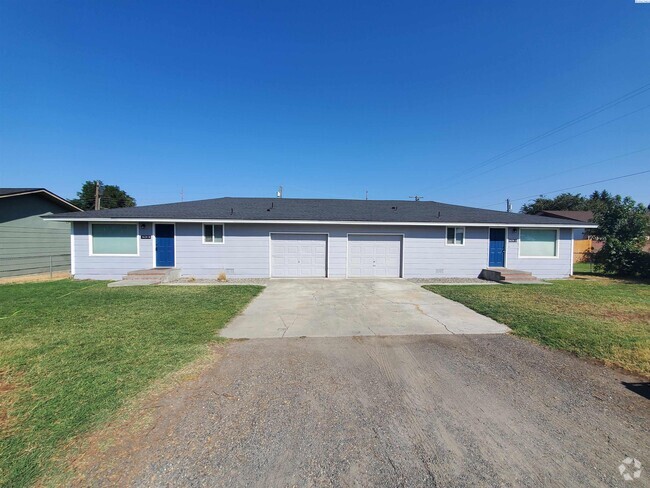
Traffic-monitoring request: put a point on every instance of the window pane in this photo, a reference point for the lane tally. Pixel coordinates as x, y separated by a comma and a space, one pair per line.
450, 235
207, 233
460, 235
115, 238
218, 233
538, 243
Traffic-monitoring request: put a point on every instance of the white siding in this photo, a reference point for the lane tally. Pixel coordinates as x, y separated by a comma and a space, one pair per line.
245, 252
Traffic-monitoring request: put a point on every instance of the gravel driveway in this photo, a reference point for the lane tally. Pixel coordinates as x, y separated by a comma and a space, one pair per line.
438, 410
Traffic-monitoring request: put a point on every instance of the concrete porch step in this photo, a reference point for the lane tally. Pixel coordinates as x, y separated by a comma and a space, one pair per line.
154, 275
506, 275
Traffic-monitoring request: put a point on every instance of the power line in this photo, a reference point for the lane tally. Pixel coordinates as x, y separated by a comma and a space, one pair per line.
561, 127
615, 119
572, 187
594, 163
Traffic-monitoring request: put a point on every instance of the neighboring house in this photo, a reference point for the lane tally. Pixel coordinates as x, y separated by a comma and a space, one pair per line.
265, 237
29, 244
583, 244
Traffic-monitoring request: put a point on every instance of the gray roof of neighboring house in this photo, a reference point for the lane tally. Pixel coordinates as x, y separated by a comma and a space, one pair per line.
326, 210
14, 192
578, 215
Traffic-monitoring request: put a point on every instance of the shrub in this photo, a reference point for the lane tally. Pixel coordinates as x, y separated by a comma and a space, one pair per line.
622, 226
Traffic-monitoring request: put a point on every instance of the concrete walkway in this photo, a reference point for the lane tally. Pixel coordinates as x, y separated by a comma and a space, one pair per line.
343, 308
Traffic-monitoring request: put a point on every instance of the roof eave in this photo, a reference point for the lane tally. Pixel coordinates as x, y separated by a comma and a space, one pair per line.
325, 222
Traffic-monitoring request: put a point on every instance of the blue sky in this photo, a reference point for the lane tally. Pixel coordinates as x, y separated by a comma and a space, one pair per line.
328, 99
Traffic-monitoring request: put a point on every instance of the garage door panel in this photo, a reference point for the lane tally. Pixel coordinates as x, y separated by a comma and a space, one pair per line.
298, 255
374, 256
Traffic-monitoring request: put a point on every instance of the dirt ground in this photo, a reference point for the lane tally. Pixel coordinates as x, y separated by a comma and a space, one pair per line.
381, 411
35, 278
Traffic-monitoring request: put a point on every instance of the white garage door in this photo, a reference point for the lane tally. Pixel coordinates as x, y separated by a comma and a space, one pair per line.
374, 255
299, 255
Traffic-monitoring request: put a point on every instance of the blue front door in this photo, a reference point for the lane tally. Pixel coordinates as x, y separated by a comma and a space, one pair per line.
164, 245
497, 247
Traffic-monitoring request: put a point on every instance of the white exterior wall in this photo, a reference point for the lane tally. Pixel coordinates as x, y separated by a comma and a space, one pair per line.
246, 249
245, 252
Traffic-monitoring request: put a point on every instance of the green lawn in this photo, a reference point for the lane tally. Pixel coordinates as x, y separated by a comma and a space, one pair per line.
583, 268
72, 353
599, 318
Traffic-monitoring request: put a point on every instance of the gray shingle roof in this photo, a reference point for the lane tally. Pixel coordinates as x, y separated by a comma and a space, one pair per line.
262, 209
578, 215
43, 192
11, 191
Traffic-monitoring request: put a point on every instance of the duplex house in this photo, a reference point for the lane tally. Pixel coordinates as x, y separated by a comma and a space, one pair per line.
281, 238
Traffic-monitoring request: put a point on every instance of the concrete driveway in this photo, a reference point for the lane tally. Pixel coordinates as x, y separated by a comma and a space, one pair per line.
344, 308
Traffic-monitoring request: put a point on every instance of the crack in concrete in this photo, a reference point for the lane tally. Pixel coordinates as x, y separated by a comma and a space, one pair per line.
417, 307
286, 327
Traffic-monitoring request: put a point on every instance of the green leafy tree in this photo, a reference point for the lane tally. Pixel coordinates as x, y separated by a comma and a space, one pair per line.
112, 197
567, 201
622, 226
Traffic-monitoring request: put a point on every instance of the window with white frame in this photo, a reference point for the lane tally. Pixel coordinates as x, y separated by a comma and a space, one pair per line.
212, 233
455, 236
116, 239
538, 243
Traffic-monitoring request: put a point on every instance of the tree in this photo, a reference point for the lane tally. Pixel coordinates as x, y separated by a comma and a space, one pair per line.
622, 226
566, 201
112, 197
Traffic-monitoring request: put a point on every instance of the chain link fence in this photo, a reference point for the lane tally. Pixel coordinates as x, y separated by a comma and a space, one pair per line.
34, 264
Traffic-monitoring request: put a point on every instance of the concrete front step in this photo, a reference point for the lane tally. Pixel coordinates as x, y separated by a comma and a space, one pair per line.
155, 275
506, 275
151, 271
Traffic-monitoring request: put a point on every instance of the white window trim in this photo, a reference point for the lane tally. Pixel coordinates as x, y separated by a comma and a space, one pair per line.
455, 244
223, 234
557, 244
91, 250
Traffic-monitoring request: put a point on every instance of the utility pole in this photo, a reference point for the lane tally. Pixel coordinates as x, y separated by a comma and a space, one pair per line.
417, 198
97, 196
279, 194
508, 205
366, 194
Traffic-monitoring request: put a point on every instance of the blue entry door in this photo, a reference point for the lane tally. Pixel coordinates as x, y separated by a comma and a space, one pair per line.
497, 248
165, 245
